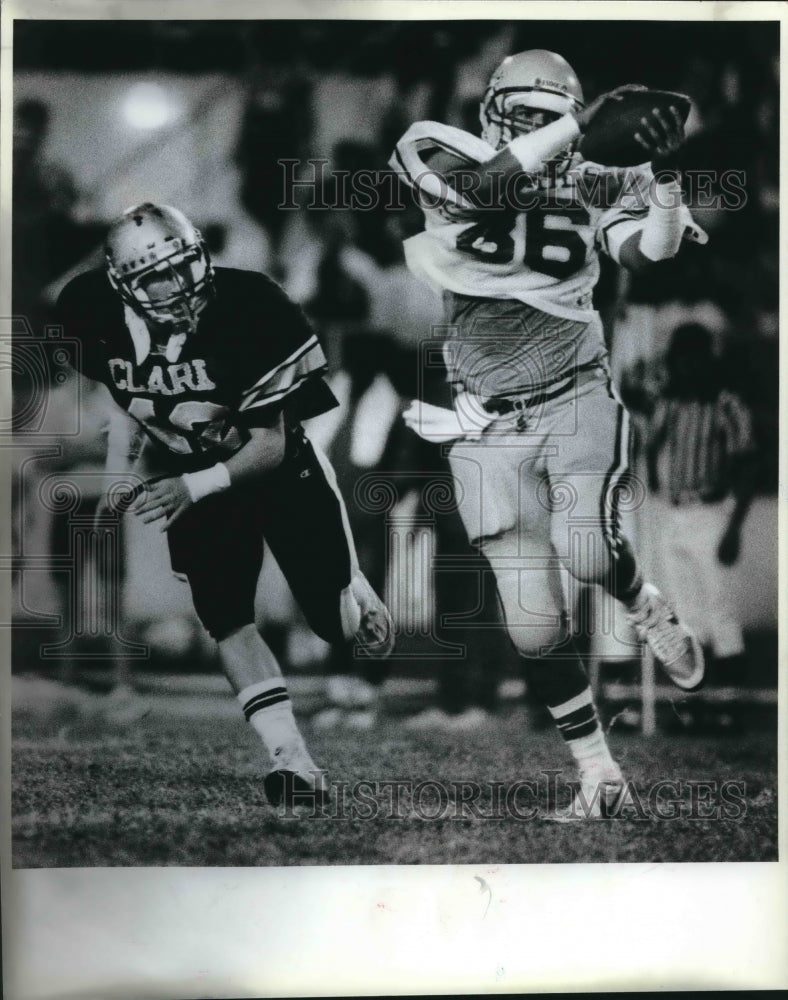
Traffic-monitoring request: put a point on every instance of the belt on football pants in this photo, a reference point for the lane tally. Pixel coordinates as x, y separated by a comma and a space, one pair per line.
501, 405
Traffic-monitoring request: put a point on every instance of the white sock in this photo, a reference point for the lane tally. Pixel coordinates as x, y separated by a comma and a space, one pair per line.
593, 756
578, 723
267, 708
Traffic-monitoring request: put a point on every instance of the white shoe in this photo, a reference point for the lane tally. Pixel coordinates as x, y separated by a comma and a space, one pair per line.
598, 796
674, 646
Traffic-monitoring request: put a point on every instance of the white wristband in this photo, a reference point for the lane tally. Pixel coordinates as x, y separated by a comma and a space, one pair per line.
206, 481
533, 150
660, 237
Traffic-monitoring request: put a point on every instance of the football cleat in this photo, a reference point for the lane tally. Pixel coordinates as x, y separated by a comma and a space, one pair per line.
596, 797
673, 645
296, 788
159, 264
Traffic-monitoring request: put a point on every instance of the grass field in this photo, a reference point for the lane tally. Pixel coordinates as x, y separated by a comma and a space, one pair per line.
183, 787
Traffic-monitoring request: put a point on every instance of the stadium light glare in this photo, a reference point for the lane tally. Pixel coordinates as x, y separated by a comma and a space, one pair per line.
149, 106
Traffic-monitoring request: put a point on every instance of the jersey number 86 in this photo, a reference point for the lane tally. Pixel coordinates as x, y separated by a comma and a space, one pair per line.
552, 246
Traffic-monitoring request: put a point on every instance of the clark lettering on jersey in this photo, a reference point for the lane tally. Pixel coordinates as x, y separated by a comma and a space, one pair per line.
169, 380
252, 356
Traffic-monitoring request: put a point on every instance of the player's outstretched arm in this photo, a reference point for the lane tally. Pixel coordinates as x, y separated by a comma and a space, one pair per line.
525, 154
660, 235
529, 153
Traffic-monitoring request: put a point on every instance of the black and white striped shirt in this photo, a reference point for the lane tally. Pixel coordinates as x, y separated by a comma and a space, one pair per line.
697, 444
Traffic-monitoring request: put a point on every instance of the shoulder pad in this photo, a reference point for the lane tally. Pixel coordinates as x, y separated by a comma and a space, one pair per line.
424, 136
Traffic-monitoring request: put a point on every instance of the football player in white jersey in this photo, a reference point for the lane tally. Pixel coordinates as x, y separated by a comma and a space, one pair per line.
514, 223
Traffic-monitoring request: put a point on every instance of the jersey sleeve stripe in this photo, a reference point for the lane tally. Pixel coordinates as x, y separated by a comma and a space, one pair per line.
282, 387
286, 379
613, 236
628, 216
302, 350
267, 398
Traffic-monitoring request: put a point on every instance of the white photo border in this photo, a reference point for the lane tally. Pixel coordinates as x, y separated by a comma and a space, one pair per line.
182, 932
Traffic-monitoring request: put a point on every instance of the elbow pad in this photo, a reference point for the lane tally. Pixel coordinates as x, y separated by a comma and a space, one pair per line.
663, 228
532, 151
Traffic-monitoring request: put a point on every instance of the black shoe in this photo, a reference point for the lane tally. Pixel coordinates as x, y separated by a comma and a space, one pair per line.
289, 788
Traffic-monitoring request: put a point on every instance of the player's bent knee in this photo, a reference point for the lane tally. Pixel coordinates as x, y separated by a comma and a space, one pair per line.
591, 568
534, 641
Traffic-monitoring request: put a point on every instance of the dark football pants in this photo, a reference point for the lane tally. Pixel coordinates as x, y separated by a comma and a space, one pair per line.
297, 511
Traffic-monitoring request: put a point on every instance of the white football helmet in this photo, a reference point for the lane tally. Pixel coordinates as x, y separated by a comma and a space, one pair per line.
160, 266
532, 81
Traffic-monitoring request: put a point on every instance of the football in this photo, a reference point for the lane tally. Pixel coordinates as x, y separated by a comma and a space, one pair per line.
609, 138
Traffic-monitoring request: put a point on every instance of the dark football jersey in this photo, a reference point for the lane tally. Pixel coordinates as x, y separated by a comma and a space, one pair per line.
252, 356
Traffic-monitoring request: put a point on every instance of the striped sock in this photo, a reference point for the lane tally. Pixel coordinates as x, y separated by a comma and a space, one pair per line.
267, 708
579, 725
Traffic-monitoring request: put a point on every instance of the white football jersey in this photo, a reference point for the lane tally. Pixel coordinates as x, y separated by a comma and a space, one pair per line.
545, 255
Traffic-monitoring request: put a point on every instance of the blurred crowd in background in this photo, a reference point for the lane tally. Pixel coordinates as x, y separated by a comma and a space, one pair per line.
202, 116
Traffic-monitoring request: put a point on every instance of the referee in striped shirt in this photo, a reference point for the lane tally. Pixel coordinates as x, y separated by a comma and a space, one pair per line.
700, 459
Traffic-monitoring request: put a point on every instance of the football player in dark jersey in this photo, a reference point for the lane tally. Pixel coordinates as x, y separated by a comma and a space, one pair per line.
217, 367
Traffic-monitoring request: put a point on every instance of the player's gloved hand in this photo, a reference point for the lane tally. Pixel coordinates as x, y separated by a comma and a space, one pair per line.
439, 424
661, 136
164, 498
585, 116
728, 549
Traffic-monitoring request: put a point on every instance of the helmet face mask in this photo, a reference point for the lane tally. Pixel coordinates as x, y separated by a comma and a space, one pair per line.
158, 263
520, 119
524, 84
